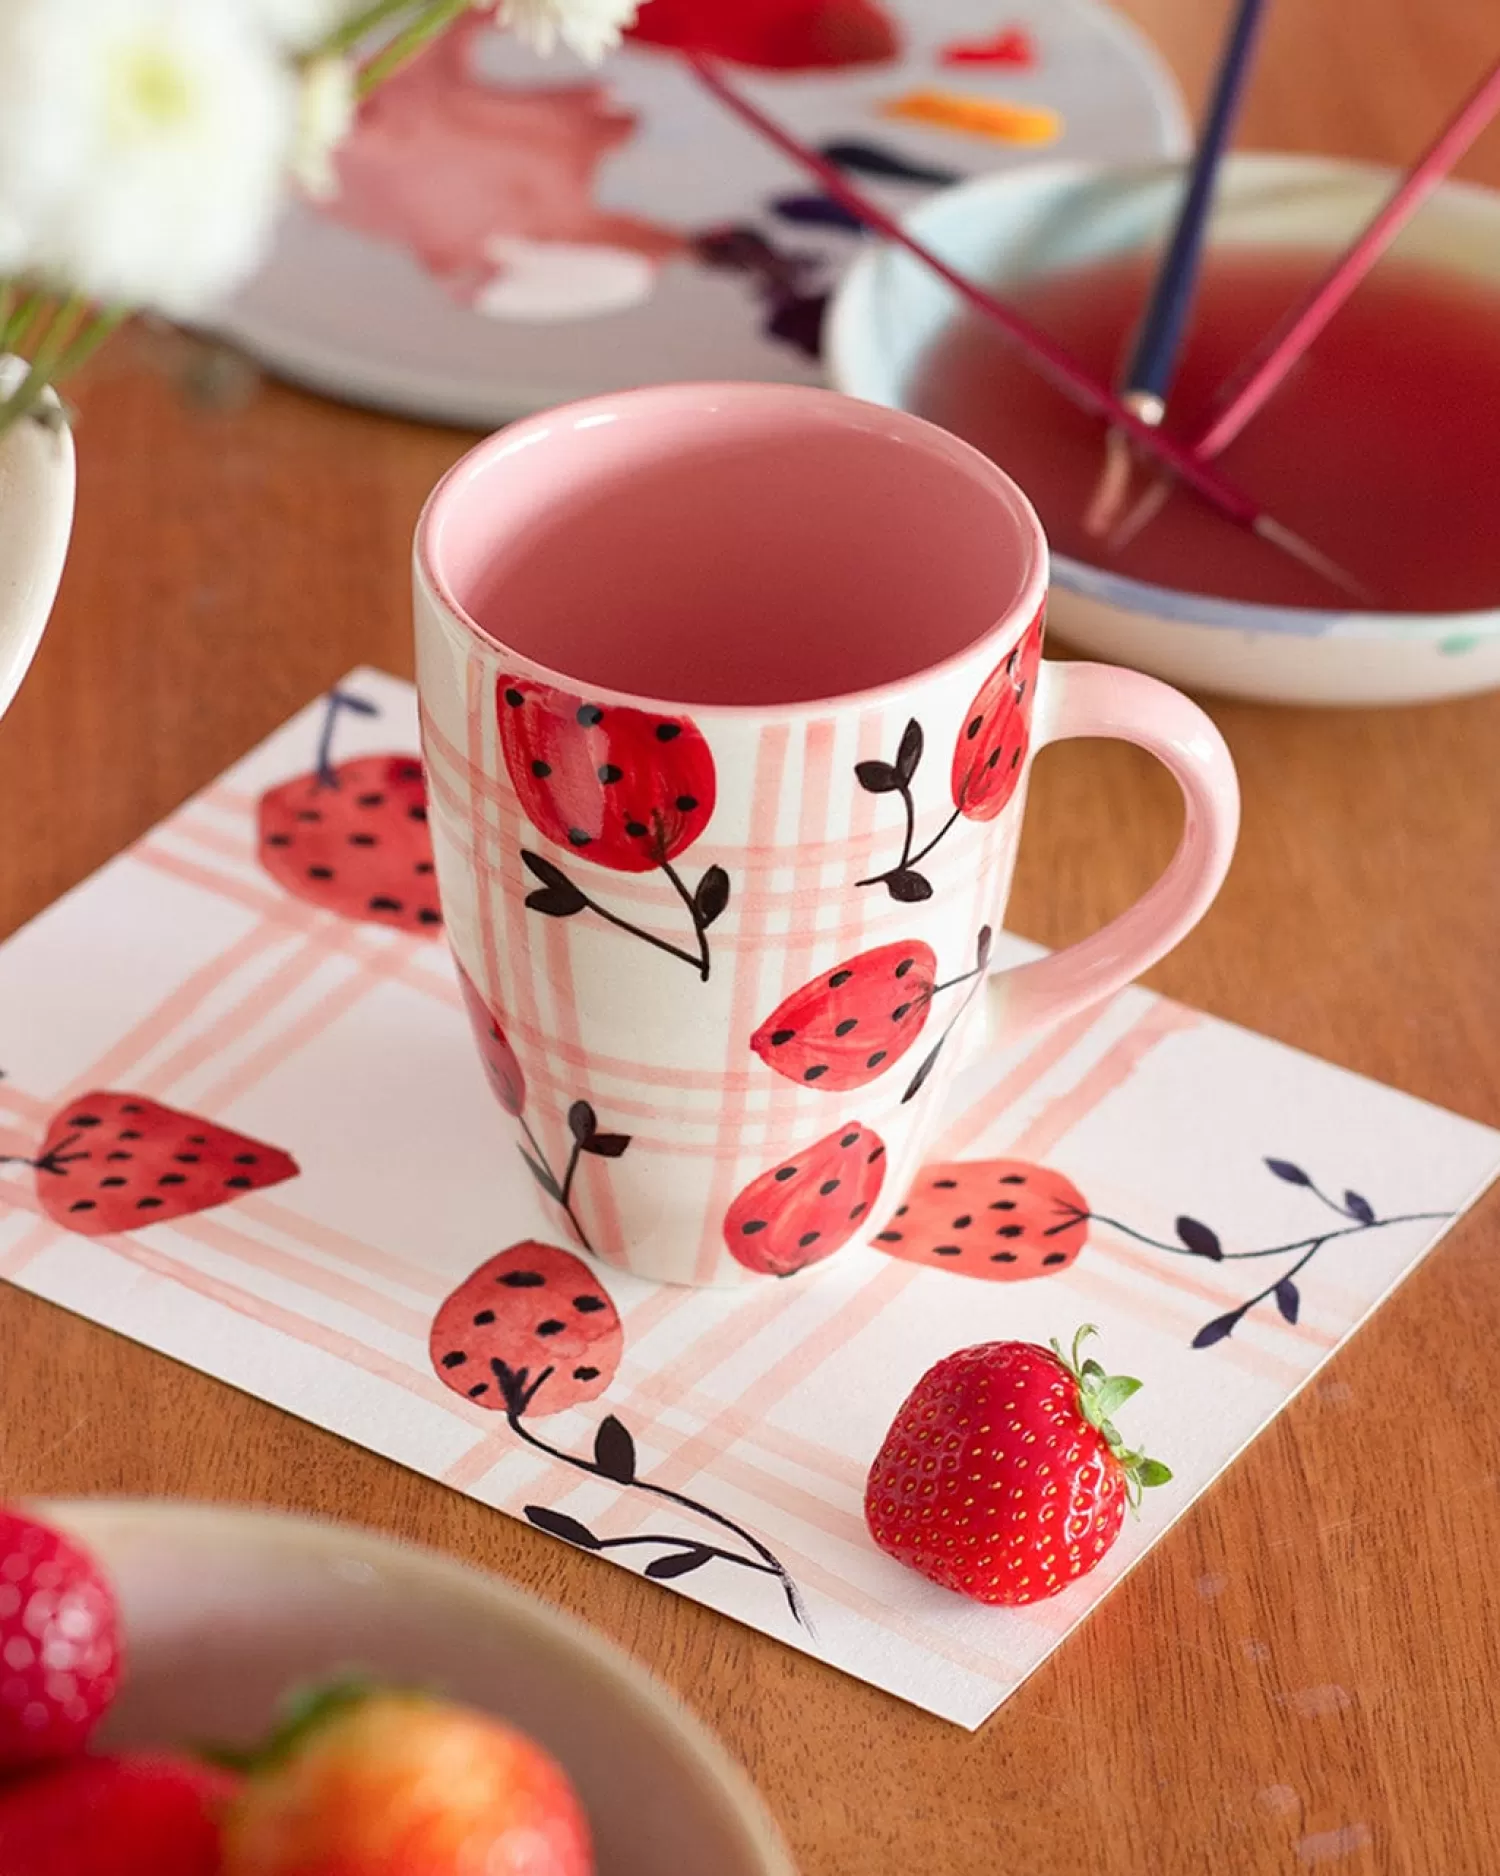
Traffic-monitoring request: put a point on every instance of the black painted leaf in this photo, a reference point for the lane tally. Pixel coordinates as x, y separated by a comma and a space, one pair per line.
614, 1451
678, 1564
1284, 1169
583, 1122
541, 1175
877, 778
559, 1524
607, 1145
816, 211
921, 1075
1288, 1300
1359, 1207
1199, 1239
874, 159
909, 887
557, 901
711, 897
982, 948
1216, 1330
910, 752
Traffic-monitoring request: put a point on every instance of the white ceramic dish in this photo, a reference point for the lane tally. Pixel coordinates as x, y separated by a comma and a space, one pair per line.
1006, 227
224, 1609
361, 318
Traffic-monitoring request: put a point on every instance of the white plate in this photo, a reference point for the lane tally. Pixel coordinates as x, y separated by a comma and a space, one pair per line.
225, 1609
361, 318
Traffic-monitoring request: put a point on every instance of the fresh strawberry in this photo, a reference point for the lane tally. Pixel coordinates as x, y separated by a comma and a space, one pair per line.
403, 1784
533, 1329
133, 1815
807, 1207
59, 1645
1002, 1476
848, 1026
353, 837
115, 1162
998, 1219
620, 787
992, 744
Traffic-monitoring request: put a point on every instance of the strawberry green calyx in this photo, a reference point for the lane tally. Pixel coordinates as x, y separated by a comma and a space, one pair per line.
1100, 1396
304, 1710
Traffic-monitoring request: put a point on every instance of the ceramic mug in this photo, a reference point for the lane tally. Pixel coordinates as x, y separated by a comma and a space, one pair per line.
730, 694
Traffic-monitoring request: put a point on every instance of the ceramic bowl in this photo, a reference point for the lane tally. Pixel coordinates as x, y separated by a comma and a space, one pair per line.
1006, 227
224, 1609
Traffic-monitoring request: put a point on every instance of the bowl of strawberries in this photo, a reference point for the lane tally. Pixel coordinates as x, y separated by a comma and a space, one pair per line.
198, 1691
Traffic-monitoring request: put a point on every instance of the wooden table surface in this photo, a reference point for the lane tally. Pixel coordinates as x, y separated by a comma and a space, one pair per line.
1304, 1674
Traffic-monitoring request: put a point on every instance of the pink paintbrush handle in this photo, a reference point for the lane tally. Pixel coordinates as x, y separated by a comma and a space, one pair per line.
1243, 394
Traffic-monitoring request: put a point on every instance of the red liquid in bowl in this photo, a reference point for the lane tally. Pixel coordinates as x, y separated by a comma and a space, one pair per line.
1382, 446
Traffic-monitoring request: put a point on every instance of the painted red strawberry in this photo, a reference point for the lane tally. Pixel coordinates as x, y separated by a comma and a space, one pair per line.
59, 1645
621, 787
1002, 1476
776, 35
807, 1207
1012, 46
406, 1784
353, 838
850, 1024
1000, 1219
136, 1814
115, 1162
532, 1331
499, 1058
992, 744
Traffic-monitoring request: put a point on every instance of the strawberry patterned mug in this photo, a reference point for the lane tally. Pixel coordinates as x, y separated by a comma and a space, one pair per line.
730, 695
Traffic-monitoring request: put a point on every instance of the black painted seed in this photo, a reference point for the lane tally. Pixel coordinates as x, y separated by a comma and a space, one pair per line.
240, 1182
686, 803
808, 1237
114, 1180
887, 1237
1055, 1257
428, 917
278, 840
148, 1205
513, 697
320, 872
839, 978
860, 1209
375, 800
902, 1210
81, 1205
186, 1159
901, 1011
416, 812
382, 902
994, 758
1002, 1205
577, 836
875, 1154
363, 840
850, 1139
130, 1133
751, 1226
1014, 1179
308, 814
484, 1318
424, 866
668, 732
170, 1179
1015, 757
1002, 1257
610, 772
828, 1185
637, 830
874, 1061
963, 1221
945, 1185
130, 1107
456, 1359
541, 770
974, 728
585, 1374
780, 1036
522, 1279
550, 1327
589, 1305
245, 1159
589, 715
849, 1022
1011, 1231
947, 1250
783, 1173
479, 1387
84, 1120
197, 1139
409, 771
904, 966
817, 1070
119, 1155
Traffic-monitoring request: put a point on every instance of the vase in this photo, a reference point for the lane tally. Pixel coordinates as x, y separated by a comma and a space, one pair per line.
36, 519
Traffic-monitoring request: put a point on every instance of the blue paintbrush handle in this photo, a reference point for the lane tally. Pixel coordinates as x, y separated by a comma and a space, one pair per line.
1153, 362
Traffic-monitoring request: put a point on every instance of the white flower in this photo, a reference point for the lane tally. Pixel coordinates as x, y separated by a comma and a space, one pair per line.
143, 144
590, 27
326, 105
303, 24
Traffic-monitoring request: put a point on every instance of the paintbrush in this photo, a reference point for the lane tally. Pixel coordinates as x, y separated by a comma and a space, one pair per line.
1053, 361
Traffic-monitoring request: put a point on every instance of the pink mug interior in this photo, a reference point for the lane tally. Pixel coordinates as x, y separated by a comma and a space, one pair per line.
732, 544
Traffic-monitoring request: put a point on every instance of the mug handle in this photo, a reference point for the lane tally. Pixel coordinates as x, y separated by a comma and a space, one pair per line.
1103, 700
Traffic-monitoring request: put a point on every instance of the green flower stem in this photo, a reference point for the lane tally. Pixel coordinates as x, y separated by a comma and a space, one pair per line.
70, 336
435, 18
354, 29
